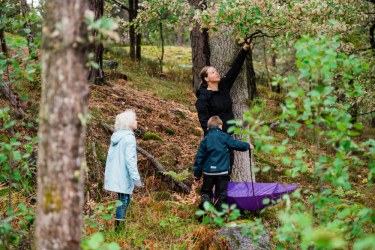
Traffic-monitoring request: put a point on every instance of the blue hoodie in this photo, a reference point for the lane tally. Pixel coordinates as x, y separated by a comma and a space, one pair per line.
121, 166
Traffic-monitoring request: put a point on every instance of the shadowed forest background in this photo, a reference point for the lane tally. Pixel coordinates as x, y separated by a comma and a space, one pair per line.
304, 99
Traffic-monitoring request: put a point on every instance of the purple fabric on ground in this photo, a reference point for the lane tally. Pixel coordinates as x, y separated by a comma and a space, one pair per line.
241, 194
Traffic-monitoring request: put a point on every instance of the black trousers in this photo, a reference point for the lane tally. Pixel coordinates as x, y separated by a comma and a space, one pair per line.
221, 185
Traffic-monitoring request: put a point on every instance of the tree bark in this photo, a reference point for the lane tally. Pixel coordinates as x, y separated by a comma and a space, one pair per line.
2, 40
63, 108
223, 51
138, 37
199, 47
131, 29
96, 75
7, 92
251, 76
162, 46
277, 88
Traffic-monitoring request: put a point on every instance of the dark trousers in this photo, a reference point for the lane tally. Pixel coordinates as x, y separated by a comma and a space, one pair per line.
221, 185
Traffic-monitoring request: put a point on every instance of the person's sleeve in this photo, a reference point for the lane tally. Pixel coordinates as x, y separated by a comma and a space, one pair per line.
230, 77
131, 160
199, 161
237, 145
202, 105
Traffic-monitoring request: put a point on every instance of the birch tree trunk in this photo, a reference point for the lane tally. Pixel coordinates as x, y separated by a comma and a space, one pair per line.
61, 156
223, 51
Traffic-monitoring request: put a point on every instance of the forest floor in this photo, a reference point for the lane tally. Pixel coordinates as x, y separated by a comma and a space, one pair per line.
160, 216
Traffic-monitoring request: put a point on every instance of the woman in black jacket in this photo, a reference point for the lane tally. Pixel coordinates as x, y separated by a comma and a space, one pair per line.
214, 93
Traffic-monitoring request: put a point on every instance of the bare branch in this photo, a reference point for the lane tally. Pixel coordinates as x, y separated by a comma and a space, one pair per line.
121, 5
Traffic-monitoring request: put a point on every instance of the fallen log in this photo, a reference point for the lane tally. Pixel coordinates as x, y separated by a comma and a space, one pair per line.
154, 161
5, 89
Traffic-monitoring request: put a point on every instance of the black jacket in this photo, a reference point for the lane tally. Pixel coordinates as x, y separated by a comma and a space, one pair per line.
213, 155
211, 103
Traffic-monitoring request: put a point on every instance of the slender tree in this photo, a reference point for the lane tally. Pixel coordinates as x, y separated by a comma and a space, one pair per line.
138, 36
131, 29
2, 38
96, 74
63, 108
25, 10
135, 37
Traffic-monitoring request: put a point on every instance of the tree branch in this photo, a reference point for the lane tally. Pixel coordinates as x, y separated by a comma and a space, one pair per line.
121, 5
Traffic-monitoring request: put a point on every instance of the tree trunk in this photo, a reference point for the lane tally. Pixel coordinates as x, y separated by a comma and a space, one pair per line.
25, 9
63, 108
138, 37
131, 29
2, 40
96, 75
199, 47
180, 36
251, 76
277, 88
138, 41
162, 47
223, 52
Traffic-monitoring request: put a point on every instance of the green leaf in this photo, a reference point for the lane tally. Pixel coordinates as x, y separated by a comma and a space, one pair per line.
107, 217
95, 240
266, 169
364, 243
208, 206
118, 203
113, 246
358, 126
3, 158
200, 213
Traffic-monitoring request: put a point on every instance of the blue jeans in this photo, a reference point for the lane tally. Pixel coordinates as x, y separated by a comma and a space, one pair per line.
121, 210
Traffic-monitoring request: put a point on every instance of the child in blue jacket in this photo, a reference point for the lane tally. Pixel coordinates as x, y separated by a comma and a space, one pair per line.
213, 161
121, 172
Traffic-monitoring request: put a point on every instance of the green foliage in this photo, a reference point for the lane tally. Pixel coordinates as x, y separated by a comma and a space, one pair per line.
321, 217
17, 170
100, 214
211, 215
152, 136
96, 242
105, 27
178, 176
18, 65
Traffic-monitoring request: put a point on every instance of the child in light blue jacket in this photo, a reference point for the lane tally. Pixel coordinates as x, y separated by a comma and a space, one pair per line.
121, 172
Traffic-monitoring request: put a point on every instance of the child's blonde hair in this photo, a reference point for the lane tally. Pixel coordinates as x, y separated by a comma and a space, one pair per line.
214, 121
125, 119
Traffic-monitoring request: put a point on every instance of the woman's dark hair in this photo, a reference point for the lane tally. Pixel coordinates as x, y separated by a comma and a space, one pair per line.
204, 74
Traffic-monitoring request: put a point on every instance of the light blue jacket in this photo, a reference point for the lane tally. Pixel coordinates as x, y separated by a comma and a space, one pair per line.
121, 166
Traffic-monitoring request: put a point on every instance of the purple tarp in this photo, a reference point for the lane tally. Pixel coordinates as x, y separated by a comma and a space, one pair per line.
241, 194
